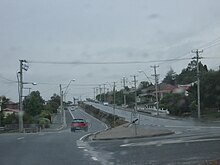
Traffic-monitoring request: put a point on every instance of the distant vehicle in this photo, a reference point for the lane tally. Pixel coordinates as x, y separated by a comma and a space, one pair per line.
105, 103
73, 108
79, 124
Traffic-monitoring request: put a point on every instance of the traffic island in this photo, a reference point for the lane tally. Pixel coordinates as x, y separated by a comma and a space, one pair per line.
130, 131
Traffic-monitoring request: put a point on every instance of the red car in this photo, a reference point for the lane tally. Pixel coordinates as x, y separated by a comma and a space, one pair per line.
79, 124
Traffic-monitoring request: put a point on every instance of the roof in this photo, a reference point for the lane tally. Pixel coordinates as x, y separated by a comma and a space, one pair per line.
11, 110
162, 87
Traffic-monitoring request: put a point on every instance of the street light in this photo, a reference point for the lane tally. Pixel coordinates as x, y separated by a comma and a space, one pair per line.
61, 100
68, 86
141, 71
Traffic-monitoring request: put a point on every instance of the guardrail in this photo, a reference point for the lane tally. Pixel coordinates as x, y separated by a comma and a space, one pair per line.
153, 109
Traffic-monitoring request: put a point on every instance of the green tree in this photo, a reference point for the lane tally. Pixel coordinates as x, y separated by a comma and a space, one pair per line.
177, 104
34, 103
53, 104
209, 89
170, 77
189, 74
11, 119
144, 84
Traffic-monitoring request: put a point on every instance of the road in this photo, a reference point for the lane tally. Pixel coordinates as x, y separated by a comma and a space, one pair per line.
193, 143
177, 125
60, 147
65, 147
159, 151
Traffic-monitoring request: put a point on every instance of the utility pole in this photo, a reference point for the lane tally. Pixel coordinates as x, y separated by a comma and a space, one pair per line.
61, 103
198, 79
135, 93
97, 92
114, 102
100, 92
21, 124
156, 86
94, 92
104, 92
124, 90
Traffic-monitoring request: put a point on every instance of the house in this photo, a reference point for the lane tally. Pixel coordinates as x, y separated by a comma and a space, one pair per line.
182, 89
149, 94
162, 90
9, 111
10, 108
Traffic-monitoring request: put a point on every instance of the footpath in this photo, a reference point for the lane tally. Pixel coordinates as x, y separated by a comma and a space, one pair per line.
129, 131
56, 123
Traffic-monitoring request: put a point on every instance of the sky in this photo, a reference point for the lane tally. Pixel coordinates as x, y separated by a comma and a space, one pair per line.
76, 32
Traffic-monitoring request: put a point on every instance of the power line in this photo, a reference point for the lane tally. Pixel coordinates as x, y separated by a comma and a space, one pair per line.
211, 44
11, 81
104, 62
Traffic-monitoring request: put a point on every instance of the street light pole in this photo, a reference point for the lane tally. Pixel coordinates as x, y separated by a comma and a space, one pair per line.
63, 97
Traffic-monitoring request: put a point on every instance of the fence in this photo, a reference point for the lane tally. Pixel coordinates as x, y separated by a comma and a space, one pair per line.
153, 109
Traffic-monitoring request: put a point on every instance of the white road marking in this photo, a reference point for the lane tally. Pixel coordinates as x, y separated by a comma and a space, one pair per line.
159, 143
94, 158
81, 139
192, 127
106, 127
81, 147
20, 138
71, 113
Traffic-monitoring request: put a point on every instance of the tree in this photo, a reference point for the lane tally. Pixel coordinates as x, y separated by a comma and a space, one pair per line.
189, 74
170, 77
210, 89
144, 84
177, 104
34, 103
53, 104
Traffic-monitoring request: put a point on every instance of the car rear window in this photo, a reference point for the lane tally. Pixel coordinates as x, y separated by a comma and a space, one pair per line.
78, 121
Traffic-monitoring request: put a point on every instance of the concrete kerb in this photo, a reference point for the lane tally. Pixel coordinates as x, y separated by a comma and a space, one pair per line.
134, 137
93, 136
87, 137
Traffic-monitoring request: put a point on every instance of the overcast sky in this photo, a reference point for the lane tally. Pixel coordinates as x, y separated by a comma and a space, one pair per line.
101, 31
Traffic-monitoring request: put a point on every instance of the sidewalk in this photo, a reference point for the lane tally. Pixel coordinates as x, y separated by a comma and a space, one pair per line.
127, 131
56, 123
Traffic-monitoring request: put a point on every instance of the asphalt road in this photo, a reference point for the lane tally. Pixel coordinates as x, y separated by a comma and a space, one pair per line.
158, 151
176, 125
60, 147
193, 143
64, 147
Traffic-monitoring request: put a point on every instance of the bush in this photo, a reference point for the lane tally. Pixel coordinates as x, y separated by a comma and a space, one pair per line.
44, 122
